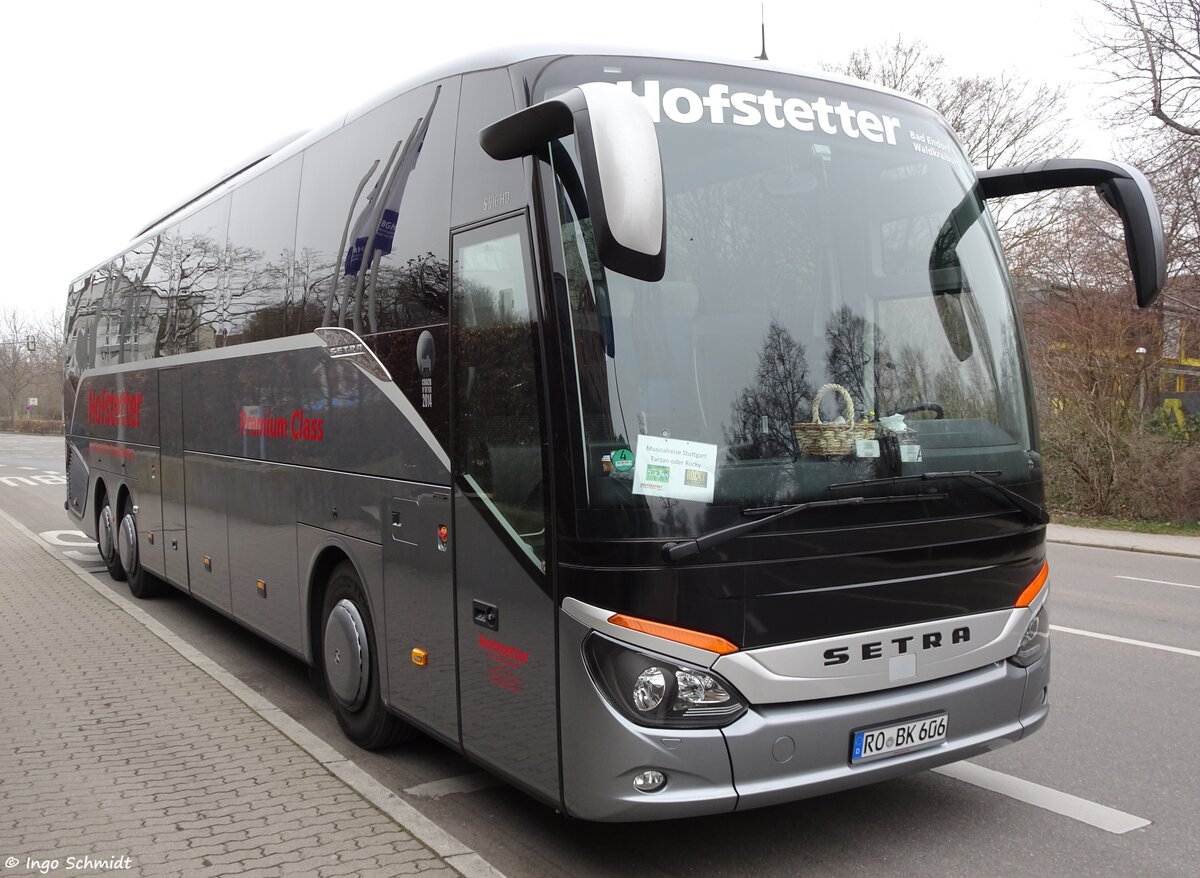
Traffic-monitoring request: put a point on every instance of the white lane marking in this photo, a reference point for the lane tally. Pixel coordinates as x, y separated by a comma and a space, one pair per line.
60, 538
27, 467
1178, 649
10, 481
441, 842
83, 557
1083, 810
463, 783
1157, 581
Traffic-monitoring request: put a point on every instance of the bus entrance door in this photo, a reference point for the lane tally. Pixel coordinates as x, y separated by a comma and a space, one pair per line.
505, 613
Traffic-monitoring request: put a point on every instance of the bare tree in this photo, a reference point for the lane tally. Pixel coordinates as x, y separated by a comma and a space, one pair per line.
1001, 120
763, 414
908, 67
30, 348
1151, 49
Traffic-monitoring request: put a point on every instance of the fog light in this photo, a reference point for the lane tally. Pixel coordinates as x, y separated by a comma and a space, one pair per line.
649, 689
649, 781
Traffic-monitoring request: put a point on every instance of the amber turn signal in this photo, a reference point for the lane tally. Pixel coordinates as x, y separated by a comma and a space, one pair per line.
698, 639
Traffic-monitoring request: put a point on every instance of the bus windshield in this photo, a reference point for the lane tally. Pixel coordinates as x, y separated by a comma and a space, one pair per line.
835, 305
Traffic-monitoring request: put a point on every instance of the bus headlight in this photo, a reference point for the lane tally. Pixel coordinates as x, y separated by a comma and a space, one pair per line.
1035, 642
649, 689
652, 690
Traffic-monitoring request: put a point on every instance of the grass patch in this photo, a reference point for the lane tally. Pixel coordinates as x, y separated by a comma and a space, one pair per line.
1171, 528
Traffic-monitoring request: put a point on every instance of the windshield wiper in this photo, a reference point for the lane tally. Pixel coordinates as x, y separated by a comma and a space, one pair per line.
1033, 513
677, 550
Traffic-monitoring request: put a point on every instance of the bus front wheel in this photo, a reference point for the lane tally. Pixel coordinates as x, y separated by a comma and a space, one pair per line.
350, 664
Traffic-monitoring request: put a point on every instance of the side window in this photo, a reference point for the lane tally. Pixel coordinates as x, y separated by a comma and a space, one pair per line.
372, 238
500, 440
79, 352
187, 293
267, 297
374, 210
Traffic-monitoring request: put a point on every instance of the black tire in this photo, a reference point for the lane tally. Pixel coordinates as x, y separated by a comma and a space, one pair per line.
360, 713
107, 546
142, 583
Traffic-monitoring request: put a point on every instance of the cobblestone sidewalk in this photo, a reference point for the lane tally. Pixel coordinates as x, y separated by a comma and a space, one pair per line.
115, 747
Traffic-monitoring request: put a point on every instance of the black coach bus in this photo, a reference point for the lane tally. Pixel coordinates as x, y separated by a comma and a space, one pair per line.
656, 432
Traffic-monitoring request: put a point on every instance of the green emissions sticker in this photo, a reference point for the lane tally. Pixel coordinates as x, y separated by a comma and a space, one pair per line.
622, 460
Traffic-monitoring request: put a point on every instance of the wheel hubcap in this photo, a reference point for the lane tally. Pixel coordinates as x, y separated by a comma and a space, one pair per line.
347, 656
105, 534
127, 544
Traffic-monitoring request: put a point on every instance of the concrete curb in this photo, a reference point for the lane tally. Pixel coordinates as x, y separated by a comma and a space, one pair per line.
1124, 541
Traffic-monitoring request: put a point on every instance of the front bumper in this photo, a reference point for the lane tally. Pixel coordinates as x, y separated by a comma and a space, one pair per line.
774, 753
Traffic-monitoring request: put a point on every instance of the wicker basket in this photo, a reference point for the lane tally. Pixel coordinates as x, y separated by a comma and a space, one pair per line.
831, 440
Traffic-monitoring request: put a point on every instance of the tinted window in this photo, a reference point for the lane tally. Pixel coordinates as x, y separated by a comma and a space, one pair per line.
499, 442
374, 213
268, 293
373, 237
186, 299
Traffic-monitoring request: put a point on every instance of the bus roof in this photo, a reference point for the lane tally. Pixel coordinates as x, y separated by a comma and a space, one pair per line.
279, 151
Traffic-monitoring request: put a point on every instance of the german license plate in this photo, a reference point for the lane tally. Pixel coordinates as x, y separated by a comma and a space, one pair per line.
892, 740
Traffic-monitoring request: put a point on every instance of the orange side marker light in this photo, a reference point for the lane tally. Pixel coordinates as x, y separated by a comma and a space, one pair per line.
1031, 590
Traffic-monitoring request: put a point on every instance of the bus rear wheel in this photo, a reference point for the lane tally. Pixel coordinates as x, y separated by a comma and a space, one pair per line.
350, 666
142, 583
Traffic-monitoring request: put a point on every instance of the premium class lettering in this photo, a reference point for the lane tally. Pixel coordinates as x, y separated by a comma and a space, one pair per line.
295, 426
778, 111
114, 409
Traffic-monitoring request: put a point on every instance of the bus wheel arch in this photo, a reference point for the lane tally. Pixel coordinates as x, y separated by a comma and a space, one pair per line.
320, 571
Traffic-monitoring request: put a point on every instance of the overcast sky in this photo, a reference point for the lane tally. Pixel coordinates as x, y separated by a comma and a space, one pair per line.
112, 111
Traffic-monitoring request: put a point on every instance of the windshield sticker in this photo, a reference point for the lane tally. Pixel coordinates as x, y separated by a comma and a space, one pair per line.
622, 460
673, 468
910, 453
812, 113
866, 447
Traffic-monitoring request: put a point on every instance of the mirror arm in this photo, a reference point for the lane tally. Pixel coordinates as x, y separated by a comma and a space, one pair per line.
1051, 174
519, 134
1123, 188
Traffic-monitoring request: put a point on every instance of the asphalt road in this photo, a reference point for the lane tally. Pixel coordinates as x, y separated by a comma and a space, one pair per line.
1120, 734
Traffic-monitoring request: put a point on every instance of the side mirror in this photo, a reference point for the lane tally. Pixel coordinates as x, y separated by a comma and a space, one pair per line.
1124, 188
622, 168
